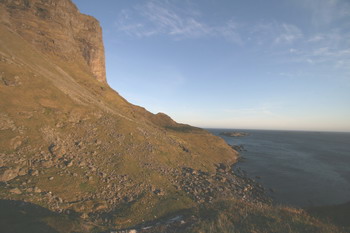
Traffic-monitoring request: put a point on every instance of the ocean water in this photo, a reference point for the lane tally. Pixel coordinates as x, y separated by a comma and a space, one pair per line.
302, 169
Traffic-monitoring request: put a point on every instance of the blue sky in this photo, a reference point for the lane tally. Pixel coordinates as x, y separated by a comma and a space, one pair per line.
256, 64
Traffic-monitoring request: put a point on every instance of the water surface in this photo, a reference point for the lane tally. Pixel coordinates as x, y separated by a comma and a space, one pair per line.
302, 168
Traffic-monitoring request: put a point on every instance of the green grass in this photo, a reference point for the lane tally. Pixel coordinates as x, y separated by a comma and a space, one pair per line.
86, 187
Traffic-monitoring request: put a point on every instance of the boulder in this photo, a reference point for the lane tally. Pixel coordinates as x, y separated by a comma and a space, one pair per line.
46, 163
84, 216
22, 172
69, 163
34, 172
37, 190
15, 191
7, 174
100, 206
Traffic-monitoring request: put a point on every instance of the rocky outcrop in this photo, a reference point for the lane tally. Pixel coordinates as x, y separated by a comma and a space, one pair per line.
57, 28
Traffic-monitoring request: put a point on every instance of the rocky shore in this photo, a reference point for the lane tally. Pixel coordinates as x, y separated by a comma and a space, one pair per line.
205, 188
238, 148
224, 183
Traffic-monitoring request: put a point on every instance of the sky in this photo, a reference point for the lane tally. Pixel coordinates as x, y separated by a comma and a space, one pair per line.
245, 64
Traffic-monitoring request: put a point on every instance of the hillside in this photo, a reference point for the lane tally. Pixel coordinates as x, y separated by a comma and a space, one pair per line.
72, 148
67, 139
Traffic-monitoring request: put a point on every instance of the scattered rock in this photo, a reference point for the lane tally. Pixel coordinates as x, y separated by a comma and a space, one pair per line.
100, 206
6, 123
59, 125
225, 183
34, 172
16, 142
37, 190
7, 174
29, 190
15, 191
84, 216
46, 163
69, 163
159, 192
185, 149
82, 164
23, 172
238, 148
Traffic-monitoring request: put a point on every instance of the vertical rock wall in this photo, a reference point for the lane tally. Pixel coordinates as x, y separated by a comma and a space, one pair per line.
57, 28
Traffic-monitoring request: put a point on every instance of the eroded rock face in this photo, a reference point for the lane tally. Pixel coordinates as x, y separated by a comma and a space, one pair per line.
57, 28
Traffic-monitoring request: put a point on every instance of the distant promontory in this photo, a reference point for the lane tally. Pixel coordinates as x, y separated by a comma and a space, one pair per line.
234, 134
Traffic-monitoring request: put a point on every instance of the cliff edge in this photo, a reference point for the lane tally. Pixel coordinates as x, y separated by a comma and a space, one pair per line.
57, 28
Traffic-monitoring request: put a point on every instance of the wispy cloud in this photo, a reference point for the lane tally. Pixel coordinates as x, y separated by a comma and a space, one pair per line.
169, 20
316, 38
326, 12
163, 18
330, 49
128, 25
286, 40
288, 33
230, 31
278, 33
155, 18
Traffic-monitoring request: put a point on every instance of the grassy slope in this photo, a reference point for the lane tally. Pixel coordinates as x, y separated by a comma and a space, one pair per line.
50, 91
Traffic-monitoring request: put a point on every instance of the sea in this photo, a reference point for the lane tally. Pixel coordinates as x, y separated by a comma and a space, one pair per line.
297, 168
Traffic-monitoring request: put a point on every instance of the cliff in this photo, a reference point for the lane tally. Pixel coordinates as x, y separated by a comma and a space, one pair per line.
57, 28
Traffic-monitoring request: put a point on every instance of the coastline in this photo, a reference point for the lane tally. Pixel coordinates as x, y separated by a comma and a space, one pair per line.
300, 167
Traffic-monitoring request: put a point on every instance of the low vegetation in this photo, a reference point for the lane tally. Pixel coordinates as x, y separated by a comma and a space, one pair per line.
232, 216
77, 157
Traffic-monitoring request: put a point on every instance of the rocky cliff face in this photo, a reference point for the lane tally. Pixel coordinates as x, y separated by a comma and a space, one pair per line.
57, 28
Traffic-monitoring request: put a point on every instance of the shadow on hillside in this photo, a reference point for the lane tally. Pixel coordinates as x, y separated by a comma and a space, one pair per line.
19, 216
184, 129
170, 223
338, 214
